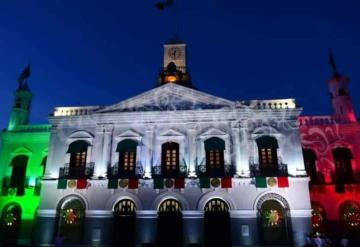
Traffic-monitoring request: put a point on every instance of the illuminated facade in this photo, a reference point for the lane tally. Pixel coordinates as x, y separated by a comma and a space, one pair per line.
175, 166
331, 147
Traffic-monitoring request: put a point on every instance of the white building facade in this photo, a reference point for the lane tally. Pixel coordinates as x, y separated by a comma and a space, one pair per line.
175, 166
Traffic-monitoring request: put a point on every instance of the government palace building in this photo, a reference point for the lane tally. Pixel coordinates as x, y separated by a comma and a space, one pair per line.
175, 166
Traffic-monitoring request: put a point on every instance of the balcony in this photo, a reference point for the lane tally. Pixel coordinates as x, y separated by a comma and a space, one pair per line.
158, 172
119, 172
68, 172
226, 171
281, 171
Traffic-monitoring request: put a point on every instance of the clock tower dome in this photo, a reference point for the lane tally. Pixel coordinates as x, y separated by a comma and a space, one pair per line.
174, 68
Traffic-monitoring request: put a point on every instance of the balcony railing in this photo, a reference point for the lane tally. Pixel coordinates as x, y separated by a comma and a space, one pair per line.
77, 172
157, 171
119, 172
225, 171
256, 171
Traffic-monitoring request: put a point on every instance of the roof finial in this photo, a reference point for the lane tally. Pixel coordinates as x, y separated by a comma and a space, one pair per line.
333, 64
22, 80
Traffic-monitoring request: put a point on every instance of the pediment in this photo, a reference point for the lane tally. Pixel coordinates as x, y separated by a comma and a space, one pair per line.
81, 134
171, 132
213, 132
170, 97
130, 133
22, 151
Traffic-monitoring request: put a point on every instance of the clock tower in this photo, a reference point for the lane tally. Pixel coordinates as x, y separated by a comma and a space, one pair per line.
176, 53
174, 68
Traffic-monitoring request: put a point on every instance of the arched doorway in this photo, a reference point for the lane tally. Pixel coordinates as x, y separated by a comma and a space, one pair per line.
350, 217
71, 214
170, 224
274, 223
217, 228
10, 224
124, 223
318, 217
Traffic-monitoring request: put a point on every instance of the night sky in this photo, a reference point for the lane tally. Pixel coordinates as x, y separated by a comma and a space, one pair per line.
101, 52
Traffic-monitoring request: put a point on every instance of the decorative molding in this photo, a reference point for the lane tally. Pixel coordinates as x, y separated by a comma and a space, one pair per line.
272, 196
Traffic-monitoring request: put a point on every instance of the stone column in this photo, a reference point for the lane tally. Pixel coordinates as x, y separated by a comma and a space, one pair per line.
101, 152
235, 151
244, 153
192, 151
148, 149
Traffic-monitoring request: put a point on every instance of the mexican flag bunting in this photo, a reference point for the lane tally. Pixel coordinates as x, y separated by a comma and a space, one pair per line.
124, 183
206, 183
271, 182
72, 184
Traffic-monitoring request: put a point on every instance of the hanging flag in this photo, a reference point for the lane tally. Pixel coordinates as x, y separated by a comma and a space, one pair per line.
271, 182
226, 183
72, 184
260, 182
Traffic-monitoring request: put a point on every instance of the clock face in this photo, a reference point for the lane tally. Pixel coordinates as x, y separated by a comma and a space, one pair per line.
175, 53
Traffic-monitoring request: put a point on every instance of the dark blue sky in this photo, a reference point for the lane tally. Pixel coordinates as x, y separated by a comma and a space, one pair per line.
100, 52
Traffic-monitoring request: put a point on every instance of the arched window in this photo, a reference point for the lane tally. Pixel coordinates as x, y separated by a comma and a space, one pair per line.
170, 227
216, 205
274, 223
78, 155
350, 215
318, 217
127, 158
217, 225
342, 160
170, 205
78, 152
214, 148
268, 159
125, 223
170, 159
310, 164
10, 223
18, 175
71, 215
